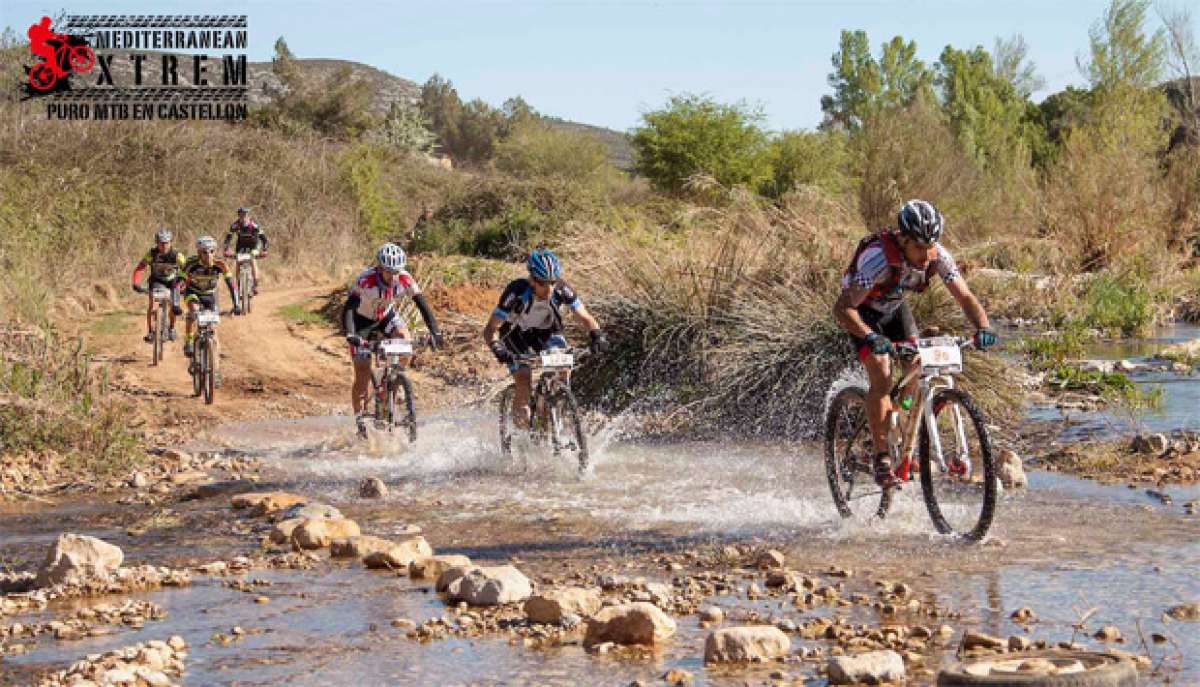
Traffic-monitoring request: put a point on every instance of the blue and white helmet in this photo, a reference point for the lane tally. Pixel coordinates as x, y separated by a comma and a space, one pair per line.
920, 220
391, 257
543, 264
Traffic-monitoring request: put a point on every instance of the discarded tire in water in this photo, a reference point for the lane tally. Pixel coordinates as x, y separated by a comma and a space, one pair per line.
1042, 668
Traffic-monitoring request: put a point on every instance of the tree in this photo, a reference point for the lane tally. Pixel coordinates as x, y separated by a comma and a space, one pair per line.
1013, 66
987, 113
808, 158
480, 127
405, 129
442, 108
535, 148
864, 86
695, 134
1183, 59
1121, 54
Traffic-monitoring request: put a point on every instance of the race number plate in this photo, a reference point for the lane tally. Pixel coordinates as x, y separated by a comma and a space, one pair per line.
160, 294
245, 257
396, 347
208, 317
557, 359
940, 354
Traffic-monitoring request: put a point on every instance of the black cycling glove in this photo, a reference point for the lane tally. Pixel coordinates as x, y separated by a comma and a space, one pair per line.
599, 343
502, 354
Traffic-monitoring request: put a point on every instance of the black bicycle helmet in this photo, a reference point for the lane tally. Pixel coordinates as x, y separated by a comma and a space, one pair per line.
920, 220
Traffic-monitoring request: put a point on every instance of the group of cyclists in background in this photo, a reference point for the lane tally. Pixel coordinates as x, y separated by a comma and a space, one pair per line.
528, 317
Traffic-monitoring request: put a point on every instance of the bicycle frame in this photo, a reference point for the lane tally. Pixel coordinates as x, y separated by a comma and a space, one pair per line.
923, 409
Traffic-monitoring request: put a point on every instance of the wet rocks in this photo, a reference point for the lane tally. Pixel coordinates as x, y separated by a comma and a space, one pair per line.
150, 663
317, 533
373, 488
399, 556
1154, 444
746, 644
281, 533
979, 640
1010, 470
75, 558
770, 560
432, 567
1190, 611
1019, 643
636, 623
1109, 633
310, 511
491, 586
551, 606
678, 677
871, 668
266, 502
358, 547
712, 614
1023, 615
451, 575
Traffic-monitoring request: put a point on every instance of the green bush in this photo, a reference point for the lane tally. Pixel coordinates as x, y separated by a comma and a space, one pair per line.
534, 149
695, 135
1118, 303
379, 213
807, 158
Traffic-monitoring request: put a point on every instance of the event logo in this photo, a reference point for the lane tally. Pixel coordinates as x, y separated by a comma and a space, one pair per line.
105, 67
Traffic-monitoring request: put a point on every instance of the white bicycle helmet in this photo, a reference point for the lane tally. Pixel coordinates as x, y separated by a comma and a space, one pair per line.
163, 235
920, 220
391, 257
207, 243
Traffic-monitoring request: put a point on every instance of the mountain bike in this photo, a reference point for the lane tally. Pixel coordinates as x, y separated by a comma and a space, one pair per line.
161, 321
204, 355
943, 424
71, 54
555, 419
245, 278
391, 389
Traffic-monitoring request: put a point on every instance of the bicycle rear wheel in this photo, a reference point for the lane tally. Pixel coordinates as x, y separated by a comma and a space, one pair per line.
958, 474
566, 428
849, 453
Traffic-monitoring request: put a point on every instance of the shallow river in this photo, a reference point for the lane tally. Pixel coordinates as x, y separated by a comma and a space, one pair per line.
1063, 547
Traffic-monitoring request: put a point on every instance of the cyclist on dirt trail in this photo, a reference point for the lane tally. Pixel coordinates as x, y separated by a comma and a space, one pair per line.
528, 320
250, 238
872, 308
200, 276
370, 312
165, 264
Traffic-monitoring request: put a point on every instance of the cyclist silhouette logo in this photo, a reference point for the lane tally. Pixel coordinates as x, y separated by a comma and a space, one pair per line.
62, 55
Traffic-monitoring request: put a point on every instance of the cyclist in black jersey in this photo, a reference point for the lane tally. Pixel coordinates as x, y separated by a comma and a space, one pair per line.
164, 264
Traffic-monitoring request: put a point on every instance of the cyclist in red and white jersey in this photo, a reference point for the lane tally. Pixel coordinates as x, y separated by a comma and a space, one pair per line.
370, 313
873, 310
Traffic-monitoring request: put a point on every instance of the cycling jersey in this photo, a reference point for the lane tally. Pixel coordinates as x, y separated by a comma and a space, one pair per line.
202, 280
879, 265
164, 267
249, 236
374, 299
522, 310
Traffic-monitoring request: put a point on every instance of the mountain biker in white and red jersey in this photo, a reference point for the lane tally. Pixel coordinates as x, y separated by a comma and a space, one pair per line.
370, 312
872, 308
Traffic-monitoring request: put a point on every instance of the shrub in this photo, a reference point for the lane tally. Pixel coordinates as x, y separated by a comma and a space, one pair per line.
695, 135
804, 158
1119, 303
534, 148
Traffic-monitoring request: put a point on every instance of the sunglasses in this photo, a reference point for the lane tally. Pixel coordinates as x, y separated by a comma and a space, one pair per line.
545, 282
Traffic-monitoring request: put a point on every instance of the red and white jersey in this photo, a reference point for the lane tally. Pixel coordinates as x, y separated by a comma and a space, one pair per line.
376, 297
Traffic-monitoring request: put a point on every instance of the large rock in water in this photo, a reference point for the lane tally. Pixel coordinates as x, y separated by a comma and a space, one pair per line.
358, 547
635, 623
871, 668
76, 557
267, 502
550, 606
490, 586
1010, 470
399, 555
744, 644
310, 511
432, 567
281, 533
451, 575
319, 532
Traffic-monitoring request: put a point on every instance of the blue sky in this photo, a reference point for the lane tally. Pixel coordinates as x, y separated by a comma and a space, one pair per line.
607, 62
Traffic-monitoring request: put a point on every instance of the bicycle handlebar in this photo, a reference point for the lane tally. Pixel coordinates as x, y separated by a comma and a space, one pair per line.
531, 357
907, 351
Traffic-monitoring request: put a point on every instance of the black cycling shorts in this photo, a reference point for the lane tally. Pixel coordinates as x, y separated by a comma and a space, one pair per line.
207, 301
899, 325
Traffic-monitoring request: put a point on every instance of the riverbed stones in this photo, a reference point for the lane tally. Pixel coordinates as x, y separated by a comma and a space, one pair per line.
638, 623
678, 677
373, 488
1019, 643
281, 533
451, 575
753, 643
358, 547
552, 605
76, 558
1010, 470
1109, 633
432, 567
1152, 444
310, 511
400, 555
770, 559
317, 533
266, 502
491, 586
979, 640
871, 668
1189, 611
712, 614
1023, 614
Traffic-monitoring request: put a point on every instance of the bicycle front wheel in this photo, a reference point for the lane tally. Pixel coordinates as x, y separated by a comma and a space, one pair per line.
400, 406
848, 455
566, 428
958, 473
209, 372
197, 367
506, 422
